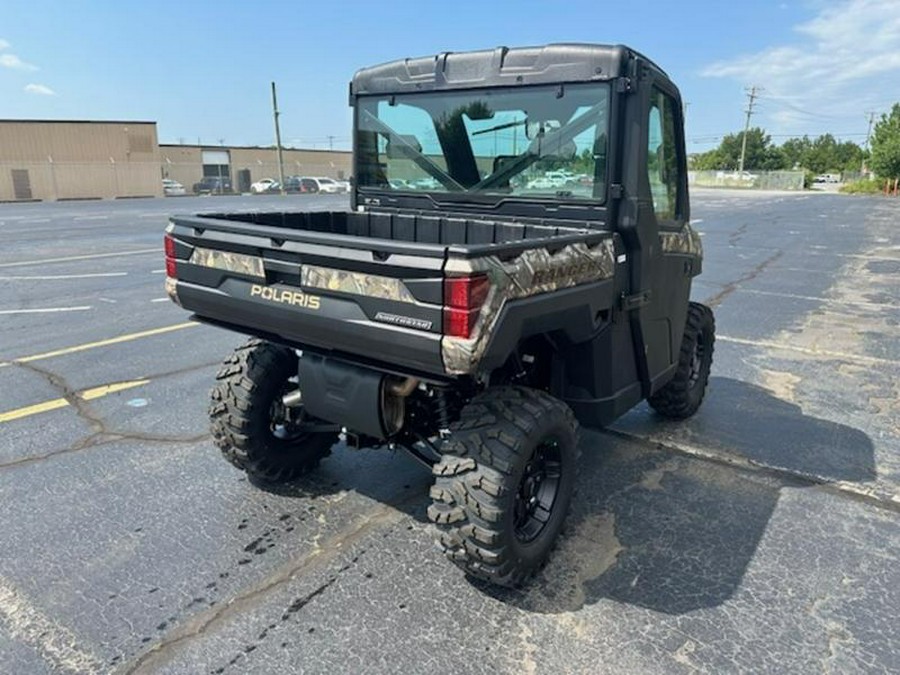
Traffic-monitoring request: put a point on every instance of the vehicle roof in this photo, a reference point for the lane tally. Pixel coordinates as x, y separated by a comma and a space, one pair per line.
502, 66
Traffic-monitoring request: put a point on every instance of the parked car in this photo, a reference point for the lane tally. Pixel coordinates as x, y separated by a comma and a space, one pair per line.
827, 178
262, 186
172, 188
293, 184
213, 185
343, 185
324, 185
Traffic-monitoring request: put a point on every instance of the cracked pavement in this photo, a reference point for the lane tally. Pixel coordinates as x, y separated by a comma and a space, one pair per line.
761, 535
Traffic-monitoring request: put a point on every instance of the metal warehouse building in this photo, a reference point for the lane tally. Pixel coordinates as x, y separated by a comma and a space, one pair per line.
51, 160
78, 160
244, 165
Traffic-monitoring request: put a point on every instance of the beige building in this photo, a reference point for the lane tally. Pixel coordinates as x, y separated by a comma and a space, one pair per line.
50, 160
245, 165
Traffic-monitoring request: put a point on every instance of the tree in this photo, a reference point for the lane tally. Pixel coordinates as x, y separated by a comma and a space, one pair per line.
885, 160
761, 154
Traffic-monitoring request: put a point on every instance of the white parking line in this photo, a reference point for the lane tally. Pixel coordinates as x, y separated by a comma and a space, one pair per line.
153, 215
26, 263
159, 300
157, 271
36, 220
66, 276
53, 641
46, 310
90, 218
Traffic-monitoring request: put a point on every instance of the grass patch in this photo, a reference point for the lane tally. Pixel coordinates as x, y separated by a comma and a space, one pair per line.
864, 187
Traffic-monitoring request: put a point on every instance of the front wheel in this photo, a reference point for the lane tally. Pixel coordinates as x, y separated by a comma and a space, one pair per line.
682, 395
251, 425
503, 485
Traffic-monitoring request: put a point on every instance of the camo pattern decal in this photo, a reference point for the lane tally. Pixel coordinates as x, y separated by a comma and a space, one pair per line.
357, 283
231, 262
684, 242
534, 271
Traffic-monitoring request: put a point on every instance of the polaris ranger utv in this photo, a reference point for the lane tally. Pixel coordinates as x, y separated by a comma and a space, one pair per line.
517, 259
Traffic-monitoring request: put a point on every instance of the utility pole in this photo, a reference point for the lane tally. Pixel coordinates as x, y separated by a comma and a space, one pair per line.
871, 115
753, 93
331, 142
278, 140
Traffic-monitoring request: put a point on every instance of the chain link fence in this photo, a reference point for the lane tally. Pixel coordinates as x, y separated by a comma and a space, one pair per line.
748, 180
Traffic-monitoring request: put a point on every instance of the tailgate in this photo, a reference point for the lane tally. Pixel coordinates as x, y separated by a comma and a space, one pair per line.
378, 299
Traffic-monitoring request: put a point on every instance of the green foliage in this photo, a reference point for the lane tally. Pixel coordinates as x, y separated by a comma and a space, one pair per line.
885, 160
820, 155
864, 187
762, 155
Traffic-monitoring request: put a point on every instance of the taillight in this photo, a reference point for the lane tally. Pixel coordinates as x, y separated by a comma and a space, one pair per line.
463, 298
171, 266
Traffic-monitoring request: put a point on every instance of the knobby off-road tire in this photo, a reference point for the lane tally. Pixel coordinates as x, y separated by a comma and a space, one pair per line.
243, 422
682, 395
490, 465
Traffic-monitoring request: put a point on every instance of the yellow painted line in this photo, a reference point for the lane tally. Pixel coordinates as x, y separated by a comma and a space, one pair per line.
100, 343
55, 404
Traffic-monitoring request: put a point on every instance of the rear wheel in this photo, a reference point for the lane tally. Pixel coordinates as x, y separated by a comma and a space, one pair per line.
683, 394
503, 485
250, 423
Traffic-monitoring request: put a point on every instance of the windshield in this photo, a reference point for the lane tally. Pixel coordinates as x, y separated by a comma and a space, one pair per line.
545, 141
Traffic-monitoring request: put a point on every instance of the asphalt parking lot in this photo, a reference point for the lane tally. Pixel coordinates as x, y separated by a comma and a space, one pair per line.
761, 535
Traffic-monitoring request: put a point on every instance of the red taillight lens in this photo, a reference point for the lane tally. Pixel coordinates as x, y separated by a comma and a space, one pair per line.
170, 246
466, 292
459, 322
171, 265
463, 298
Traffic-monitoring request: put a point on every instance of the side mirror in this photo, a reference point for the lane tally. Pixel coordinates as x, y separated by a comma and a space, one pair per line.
403, 146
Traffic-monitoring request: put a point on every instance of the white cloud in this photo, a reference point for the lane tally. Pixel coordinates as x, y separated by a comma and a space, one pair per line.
4, 44
846, 61
40, 89
14, 62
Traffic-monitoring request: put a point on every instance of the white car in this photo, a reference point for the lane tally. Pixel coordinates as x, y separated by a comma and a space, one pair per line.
262, 186
343, 185
327, 186
172, 188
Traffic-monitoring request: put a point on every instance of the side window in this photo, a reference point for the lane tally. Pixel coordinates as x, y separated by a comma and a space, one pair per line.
662, 157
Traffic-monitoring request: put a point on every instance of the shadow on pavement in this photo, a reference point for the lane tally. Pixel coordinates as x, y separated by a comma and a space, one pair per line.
674, 534
744, 419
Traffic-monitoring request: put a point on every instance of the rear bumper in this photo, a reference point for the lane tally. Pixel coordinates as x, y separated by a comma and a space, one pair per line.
336, 326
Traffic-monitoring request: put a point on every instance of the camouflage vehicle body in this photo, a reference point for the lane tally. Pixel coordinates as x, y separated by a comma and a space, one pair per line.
463, 266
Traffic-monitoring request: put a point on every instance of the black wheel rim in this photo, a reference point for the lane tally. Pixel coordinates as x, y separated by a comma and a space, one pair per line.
697, 358
537, 491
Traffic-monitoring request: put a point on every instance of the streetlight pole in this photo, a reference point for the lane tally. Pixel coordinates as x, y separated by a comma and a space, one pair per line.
278, 140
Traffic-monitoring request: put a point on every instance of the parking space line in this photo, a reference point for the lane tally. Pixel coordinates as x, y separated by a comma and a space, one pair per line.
45, 635
159, 300
46, 310
25, 263
55, 404
100, 343
90, 218
811, 351
54, 277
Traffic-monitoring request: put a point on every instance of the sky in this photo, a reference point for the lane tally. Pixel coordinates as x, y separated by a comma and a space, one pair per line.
202, 70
